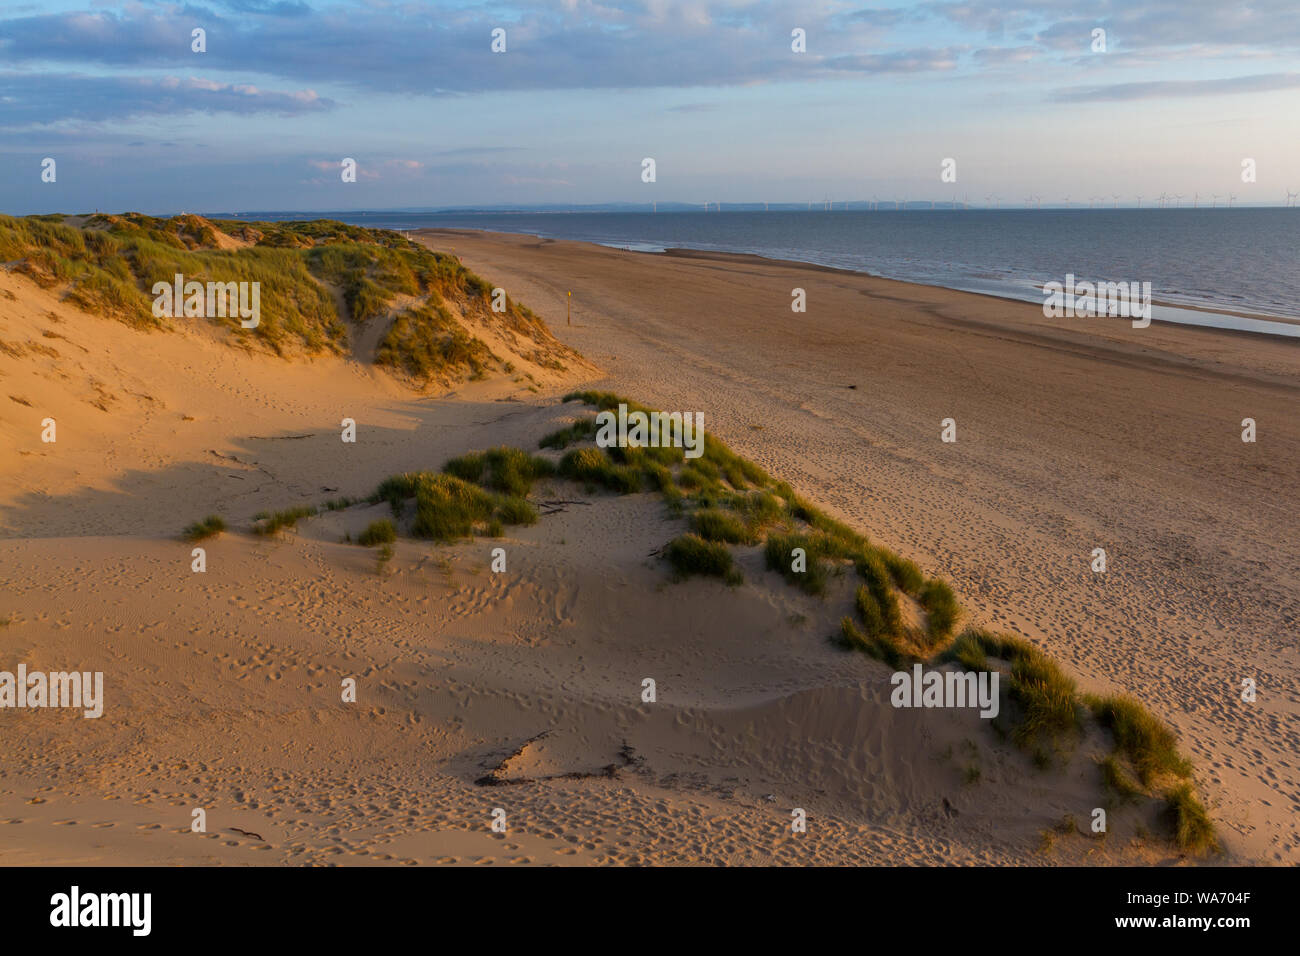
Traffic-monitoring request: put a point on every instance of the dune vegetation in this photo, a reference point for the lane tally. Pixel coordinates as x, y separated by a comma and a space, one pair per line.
209, 527
474, 494
898, 614
320, 281
730, 501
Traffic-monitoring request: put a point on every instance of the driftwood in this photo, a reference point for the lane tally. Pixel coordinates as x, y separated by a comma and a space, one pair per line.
557, 506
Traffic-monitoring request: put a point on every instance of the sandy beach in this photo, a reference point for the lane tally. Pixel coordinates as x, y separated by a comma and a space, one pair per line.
223, 688
1073, 434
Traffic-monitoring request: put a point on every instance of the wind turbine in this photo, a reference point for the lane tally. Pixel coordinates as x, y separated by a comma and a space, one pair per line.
992, 198
1115, 197
1139, 202
1066, 200
1291, 198
1231, 199
1162, 199
1214, 200
1178, 198
1196, 199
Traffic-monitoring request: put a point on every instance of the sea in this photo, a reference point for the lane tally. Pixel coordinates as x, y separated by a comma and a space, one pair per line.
1201, 263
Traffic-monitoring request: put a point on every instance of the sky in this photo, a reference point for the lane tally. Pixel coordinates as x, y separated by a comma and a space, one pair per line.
1020, 95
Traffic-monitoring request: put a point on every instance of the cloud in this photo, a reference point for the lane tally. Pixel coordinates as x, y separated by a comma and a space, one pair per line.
402, 48
882, 17
1151, 24
475, 150
410, 48
1259, 83
30, 100
278, 9
1000, 55
901, 61
511, 180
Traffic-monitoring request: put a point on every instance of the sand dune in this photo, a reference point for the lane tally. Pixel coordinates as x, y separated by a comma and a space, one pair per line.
521, 691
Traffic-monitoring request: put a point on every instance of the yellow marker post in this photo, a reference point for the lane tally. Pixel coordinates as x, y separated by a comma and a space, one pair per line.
568, 309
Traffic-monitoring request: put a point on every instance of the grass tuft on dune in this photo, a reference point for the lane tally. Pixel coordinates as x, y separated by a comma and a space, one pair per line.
1149, 746
1193, 829
690, 555
508, 470
448, 507
268, 523
378, 532
209, 527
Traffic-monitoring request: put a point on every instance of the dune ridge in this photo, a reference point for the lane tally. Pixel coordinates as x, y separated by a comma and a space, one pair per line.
326, 286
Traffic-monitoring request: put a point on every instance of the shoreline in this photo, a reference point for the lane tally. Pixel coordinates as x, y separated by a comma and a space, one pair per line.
684, 252
1288, 326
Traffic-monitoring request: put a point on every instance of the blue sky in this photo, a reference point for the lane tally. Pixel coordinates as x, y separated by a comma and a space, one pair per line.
1185, 90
